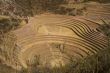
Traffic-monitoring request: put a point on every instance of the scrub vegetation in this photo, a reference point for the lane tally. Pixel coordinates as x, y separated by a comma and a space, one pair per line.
14, 14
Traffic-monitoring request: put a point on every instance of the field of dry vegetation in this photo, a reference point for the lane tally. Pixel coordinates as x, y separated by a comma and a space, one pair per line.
55, 36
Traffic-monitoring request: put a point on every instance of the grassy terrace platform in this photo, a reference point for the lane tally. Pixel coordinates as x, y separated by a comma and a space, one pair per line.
75, 35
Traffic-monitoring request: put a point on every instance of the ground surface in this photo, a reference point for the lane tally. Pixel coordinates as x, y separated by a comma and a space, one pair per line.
45, 36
